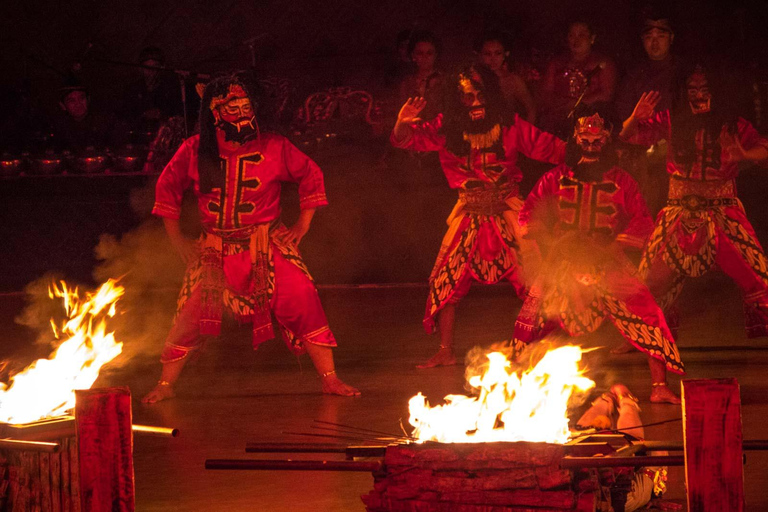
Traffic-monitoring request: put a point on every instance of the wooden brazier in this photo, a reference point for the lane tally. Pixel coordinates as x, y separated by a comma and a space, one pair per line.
475, 477
84, 463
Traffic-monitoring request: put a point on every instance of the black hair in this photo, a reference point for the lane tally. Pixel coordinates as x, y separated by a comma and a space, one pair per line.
582, 20
423, 36
685, 124
71, 84
151, 53
493, 35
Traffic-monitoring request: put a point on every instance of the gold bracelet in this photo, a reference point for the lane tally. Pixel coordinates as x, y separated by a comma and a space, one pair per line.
163, 383
327, 374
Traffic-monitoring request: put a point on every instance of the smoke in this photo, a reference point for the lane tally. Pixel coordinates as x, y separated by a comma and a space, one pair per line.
151, 273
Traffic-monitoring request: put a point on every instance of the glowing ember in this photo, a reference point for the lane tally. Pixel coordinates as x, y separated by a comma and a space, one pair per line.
511, 406
47, 387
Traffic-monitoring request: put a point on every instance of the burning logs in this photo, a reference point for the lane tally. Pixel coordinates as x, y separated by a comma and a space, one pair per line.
473, 477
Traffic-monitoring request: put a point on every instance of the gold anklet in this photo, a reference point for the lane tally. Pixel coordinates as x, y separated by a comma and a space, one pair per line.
327, 374
449, 347
658, 384
163, 383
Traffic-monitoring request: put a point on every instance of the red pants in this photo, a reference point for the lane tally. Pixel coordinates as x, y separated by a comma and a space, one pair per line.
726, 241
560, 300
480, 248
295, 303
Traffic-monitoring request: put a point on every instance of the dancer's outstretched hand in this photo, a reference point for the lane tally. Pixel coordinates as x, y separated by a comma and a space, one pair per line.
732, 146
411, 109
646, 105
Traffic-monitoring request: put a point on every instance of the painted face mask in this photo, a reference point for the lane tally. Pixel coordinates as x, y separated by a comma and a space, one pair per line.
234, 115
699, 96
472, 98
591, 135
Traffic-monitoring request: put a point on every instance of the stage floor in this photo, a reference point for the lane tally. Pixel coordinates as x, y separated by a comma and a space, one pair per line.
232, 395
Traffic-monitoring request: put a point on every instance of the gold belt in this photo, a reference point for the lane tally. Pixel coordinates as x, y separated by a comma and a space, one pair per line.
486, 201
699, 195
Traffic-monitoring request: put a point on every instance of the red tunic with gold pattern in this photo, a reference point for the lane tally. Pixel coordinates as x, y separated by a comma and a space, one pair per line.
233, 218
481, 243
704, 225
583, 227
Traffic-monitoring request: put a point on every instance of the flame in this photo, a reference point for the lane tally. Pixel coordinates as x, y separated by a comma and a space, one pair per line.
47, 387
531, 405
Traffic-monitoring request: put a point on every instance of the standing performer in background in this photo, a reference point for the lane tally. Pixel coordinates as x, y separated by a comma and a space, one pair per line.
704, 224
584, 215
478, 150
247, 261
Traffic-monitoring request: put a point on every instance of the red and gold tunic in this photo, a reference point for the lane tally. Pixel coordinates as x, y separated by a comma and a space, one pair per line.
481, 243
584, 226
246, 264
704, 225
253, 176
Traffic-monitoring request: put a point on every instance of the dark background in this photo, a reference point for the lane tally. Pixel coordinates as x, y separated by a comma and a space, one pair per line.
385, 222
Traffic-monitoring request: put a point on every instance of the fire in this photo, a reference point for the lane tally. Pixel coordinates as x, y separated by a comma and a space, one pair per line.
47, 387
531, 405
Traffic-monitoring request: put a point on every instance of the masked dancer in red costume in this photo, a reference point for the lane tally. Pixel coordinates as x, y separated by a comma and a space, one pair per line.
247, 261
704, 225
478, 149
584, 215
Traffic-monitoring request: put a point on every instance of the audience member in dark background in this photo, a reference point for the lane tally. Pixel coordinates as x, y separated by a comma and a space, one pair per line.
154, 97
426, 80
580, 70
494, 52
656, 72
78, 127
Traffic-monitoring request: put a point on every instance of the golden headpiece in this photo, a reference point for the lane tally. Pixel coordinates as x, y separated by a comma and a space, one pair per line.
594, 125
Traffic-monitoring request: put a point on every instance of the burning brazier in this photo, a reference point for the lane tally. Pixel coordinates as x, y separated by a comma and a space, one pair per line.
72, 463
474, 477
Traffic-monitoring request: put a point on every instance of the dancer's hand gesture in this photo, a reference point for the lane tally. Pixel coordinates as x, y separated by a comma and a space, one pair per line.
731, 145
410, 110
646, 105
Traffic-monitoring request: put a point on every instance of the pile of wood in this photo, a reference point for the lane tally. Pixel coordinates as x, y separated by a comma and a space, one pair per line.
483, 477
40, 481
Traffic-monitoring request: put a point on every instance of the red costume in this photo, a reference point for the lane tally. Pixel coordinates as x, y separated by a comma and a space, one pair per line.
481, 243
245, 264
584, 225
704, 224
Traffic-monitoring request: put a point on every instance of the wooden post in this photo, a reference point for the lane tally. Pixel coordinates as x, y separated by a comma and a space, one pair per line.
105, 449
713, 445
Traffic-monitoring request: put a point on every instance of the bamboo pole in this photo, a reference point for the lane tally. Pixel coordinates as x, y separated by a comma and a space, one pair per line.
30, 446
613, 462
155, 431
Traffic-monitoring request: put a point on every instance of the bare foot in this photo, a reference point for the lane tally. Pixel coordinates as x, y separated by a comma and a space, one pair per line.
624, 348
444, 357
332, 385
599, 415
663, 395
620, 391
159, 393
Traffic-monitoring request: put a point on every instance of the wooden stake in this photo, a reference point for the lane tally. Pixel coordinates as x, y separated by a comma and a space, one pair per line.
713, 445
